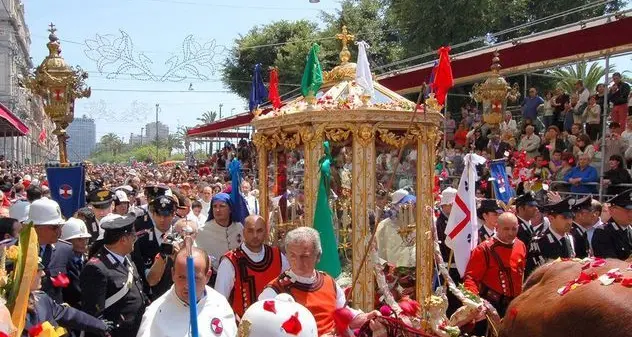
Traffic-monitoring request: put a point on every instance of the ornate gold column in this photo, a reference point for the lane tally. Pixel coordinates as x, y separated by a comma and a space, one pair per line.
261, 144
427, 137
363, 200
313, 150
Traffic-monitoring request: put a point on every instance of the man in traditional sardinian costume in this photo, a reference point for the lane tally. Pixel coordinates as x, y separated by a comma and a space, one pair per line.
315, 290
245, 271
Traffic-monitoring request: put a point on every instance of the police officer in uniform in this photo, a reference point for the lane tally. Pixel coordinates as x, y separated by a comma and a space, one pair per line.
110, 284
153, 251
526, 208
87, 215
101, 203
556, 241
488, 211
56, 255
614, 238
584, 219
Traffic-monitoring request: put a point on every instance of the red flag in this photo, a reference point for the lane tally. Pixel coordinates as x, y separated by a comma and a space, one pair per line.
42, 136
273, 91
443, 80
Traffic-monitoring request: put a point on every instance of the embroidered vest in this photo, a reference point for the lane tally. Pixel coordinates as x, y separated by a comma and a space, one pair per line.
251, 277
319, 298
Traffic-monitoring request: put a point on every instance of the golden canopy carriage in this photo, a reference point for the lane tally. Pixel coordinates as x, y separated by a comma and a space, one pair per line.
361, 129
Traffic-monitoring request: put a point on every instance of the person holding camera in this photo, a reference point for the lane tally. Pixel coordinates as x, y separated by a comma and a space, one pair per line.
154, 249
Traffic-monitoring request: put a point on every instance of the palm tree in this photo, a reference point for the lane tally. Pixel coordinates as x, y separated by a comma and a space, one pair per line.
208, 117
111, 142
590, 75
174, 141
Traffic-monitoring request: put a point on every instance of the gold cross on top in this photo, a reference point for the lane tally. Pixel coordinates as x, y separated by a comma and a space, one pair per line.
345, 37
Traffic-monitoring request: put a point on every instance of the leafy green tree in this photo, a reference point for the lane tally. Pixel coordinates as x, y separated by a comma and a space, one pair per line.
591, 75
281, 44
111, 143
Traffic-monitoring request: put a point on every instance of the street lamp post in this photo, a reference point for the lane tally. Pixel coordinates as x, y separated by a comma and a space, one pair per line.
58, 85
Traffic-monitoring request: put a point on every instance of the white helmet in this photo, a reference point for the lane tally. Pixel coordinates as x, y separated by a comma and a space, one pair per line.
20, 210
278, 318
45, 211
74, 229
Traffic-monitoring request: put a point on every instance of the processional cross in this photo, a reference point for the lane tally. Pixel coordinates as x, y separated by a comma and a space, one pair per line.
345, 37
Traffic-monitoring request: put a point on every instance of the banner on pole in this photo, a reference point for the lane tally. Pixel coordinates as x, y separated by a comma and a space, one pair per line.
67, 187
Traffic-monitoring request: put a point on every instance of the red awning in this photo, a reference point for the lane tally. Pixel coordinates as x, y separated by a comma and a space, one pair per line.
224, 135
10, 124
209, 130
559, 46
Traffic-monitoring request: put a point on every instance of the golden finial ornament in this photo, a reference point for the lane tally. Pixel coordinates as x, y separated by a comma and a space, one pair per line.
58, 85
494, 93
345, 37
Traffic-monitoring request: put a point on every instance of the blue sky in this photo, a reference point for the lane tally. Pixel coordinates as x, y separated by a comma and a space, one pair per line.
158, 29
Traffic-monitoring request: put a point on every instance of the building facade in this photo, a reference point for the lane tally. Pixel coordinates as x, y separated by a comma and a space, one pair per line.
15, 63
83, 139
150, 132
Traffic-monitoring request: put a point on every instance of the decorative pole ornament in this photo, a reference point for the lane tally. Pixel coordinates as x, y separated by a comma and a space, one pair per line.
345, 37
58, 85
494, 94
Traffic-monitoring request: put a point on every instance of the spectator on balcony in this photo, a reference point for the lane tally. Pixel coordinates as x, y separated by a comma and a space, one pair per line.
559, 102
619, 92
530, 142
460, 137
508, 125
583, 146
548, 109
616, 174
551, 142
592, 116
582, 97
581, 175
531, 104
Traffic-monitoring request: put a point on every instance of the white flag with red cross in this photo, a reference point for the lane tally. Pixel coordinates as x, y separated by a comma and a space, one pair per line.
462, 228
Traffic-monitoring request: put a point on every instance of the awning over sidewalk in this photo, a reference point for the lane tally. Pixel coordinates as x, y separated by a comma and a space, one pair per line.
10, 124
559, 46
211, 129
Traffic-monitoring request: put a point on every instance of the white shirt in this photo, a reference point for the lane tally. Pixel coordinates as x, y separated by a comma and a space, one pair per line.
341, 301
226, 272
168, 316
583, 97
391, 247
253, 204
206, 207
216, 240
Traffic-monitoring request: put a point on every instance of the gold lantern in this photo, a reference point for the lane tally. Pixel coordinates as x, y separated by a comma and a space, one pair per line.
494, 94
58, 85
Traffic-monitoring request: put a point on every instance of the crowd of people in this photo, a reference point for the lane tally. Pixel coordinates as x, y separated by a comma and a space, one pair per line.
561, 134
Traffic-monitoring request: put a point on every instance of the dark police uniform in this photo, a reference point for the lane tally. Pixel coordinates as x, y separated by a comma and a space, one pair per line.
487, 206
87, 215
579, 234
100, 199
45, 309
149, 245
613, 240
56, 258
525, 232
112, 288
547, 246
72, 293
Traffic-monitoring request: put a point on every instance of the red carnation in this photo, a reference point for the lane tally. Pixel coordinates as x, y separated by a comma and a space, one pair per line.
292, 325
60, 281
269, 306
35, 330
627, 282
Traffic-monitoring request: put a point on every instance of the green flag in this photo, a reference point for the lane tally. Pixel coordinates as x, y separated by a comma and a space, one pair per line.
323, 220
313, 74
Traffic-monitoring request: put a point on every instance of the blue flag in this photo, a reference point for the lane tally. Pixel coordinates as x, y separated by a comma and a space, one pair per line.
502, 187
429, 87
239, 210
67, 187
258, 91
